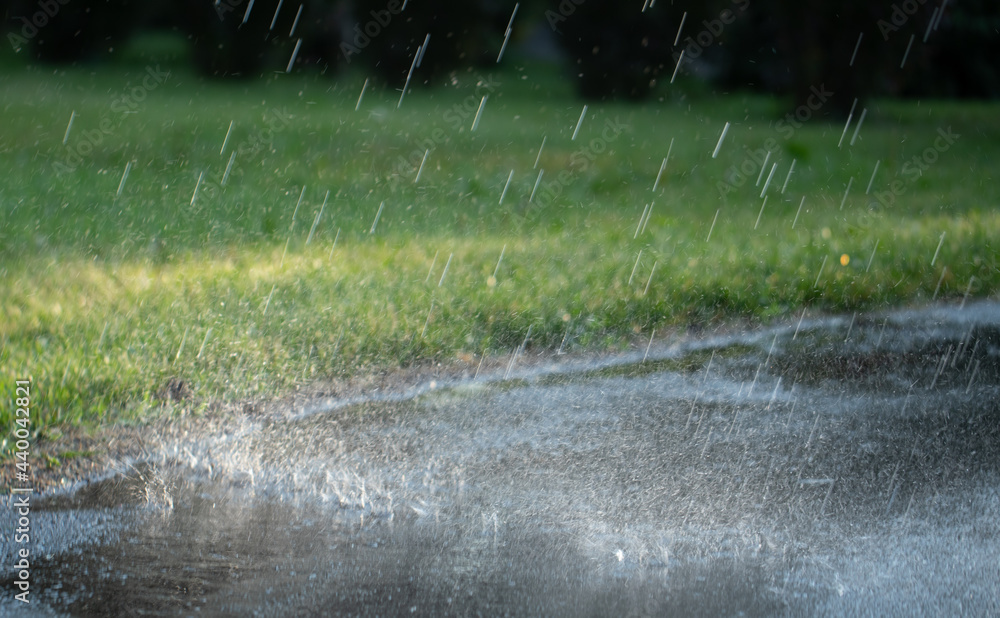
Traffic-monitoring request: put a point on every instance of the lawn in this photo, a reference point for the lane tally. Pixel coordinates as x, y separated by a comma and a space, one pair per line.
188, 241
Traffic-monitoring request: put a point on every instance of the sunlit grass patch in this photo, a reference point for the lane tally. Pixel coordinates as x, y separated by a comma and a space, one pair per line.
140, 278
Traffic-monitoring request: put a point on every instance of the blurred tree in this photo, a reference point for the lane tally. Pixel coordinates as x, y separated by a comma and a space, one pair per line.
386, 36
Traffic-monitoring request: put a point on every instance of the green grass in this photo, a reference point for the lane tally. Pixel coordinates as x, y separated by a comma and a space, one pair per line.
110, 301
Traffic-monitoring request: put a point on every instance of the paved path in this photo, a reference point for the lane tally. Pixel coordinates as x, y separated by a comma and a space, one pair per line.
839, 466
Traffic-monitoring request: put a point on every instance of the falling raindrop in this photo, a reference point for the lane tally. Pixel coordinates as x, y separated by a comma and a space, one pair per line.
874, 171
361, 96
535, 166
121, 185
857, 129
274, 19
796, 219
229, 167
856, 46
226, 140
246, 15
680, 27
377, 215
907, 52
479, 112
848, 123
936, 251
312, 230
421, 168
509, 176
535, 188
445, 271
506, 35
295, 52
295, 23
69, 126
198, 184
787, 176
725, 130
680, 58
579, 122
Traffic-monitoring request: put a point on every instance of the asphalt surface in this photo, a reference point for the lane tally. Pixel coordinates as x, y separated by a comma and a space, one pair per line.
837, 466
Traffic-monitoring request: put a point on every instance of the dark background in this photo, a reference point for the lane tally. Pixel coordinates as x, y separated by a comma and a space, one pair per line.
609, 49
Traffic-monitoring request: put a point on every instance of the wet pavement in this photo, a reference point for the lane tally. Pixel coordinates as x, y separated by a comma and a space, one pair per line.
831, 466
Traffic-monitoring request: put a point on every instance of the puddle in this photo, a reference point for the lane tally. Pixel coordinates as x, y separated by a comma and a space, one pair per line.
840, 465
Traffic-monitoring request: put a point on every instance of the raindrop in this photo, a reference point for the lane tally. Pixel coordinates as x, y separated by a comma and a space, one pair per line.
198, 184
69, 126
479, 112
874, 171
229, 167
820, 273
421, 168
506, 35
295, 52
968, 289
650, 279
268, 302
274, 19
535, 166
121, 185
936, 251
297, 204
663, 165
431, 269
208, 334
763, 167
329, 257
796, 219
760, 214
423, 48
651, 334
637, 258
226, 141
318, 215
579, 122
725, 130
445, 271
799, 325
767, 182
294, 23
360, 96
907, 52
856, 46
848, 123
872, 256
377, 215
944, 271
181, 347
535, 188
680, 27
931, 23
680, 58
861, 121
423, 333
789, 175
850, 181
497, 269
504, 192
713, 225
246, 15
